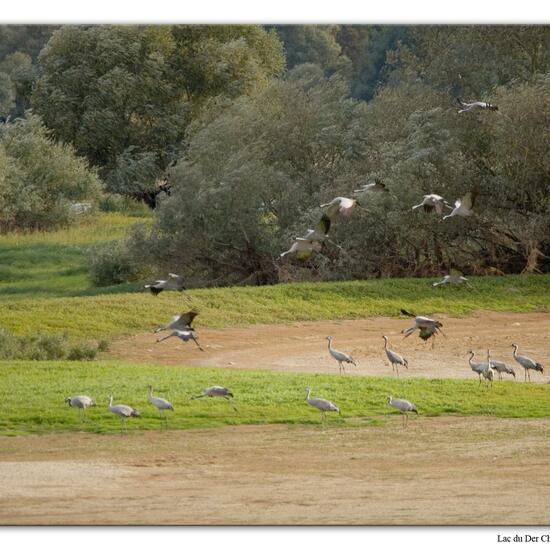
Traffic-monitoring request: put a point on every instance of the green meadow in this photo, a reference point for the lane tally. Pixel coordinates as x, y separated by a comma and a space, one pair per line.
32, 397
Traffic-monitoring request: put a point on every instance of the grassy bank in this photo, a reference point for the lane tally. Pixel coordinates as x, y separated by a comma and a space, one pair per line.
32, 393
118, 312
55, 263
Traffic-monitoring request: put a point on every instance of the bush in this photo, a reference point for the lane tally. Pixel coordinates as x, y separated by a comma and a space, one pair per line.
40, 179
82, 352
45, 347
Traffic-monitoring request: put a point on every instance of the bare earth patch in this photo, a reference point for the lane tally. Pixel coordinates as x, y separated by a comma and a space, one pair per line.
302, 346
446, 470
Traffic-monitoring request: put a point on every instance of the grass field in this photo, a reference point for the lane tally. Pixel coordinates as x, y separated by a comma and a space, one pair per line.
32, 394
55, 263
117, 312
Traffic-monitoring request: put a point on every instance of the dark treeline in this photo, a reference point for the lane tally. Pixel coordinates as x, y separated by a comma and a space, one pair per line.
236, 134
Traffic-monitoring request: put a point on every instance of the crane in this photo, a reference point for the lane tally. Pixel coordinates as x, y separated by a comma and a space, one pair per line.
340, 356
184, 336
339, 206
427, 327
432, 202
172, 282
81, 402
483, 370
323, 405
311, 242
394, 358
180, 322
160, 403
454, 277
465, 107
122, 411
403, 406
217, 391
500, 367
463, 206
527, 363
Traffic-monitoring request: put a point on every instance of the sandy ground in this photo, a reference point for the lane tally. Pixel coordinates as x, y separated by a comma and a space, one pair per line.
302, 346
447, 470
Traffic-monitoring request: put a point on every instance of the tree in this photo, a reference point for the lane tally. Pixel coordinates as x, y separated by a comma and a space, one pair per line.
124, 93
40, 179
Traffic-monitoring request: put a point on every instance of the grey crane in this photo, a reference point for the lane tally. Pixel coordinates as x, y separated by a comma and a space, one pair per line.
323, 405
527, 363
427, 327
432, 202
339, 206
403, 406
500, 367
180, 322
311, 242
394, 358
340, 356
365, 190
160, 403
122, 411
483, 370
454, 277
465, 107
172, 282
184, 336
463, 206
81, 402
217, 391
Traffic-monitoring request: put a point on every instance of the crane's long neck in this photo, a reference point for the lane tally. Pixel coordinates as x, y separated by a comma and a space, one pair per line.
330, 344
110, 401
472, 354
308, 394
515, 350
385, 343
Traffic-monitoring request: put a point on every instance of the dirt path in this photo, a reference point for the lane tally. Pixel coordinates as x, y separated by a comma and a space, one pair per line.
302, 346
445, 470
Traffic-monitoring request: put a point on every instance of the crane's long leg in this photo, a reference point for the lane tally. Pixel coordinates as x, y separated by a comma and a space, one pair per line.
195, 340
529, 375
232, 402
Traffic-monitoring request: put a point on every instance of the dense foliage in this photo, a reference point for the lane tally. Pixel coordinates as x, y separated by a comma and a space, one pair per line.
41, 181
238, 153
124, 95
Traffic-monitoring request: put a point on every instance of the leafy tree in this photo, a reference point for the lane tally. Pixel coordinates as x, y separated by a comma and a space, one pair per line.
39, 178
122, 94
314, 44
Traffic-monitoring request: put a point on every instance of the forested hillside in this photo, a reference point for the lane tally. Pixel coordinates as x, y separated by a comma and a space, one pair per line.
234, 135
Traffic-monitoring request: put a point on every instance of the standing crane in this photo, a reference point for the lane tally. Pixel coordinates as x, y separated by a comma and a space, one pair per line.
394, 358
323, 405
340, 356
483, 370
217, 391
527, 363
403, 406
81, 402
123, 412
500, 367
160, 403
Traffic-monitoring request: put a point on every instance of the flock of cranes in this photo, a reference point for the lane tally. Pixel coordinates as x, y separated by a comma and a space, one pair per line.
303, 247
